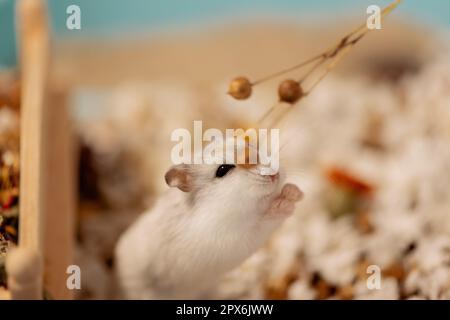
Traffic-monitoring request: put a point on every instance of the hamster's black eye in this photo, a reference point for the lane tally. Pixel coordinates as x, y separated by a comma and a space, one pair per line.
223, 170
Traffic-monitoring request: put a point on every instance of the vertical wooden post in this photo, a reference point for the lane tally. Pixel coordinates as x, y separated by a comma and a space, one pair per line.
59, 195
33, 43
47, 167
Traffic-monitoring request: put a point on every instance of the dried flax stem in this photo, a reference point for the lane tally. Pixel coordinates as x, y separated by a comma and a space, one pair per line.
335, 54
279, 73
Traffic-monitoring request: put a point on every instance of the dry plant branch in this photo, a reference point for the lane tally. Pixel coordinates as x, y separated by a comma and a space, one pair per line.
291, 91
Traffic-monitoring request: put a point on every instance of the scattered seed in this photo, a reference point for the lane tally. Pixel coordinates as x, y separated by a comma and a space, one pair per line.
345, 292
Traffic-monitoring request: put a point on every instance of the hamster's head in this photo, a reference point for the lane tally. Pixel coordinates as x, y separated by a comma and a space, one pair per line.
226, 182
222, 180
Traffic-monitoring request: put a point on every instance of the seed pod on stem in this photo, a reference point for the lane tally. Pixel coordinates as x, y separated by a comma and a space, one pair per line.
290, 91
240, 88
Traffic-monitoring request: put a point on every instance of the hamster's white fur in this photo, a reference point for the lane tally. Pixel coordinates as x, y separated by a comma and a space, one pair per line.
181, 247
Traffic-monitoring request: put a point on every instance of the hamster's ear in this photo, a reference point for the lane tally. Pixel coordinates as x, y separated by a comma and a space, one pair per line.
179, 176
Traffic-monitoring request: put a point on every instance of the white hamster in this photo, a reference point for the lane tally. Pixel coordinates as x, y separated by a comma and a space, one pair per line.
209, 222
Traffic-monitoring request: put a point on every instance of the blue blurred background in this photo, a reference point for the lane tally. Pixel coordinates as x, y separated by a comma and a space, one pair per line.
113, 18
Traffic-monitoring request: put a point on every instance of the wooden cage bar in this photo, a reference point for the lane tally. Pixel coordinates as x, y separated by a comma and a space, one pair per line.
47, 170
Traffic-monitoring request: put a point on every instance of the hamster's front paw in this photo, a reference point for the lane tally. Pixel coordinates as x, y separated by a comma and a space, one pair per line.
291, 192
284, 204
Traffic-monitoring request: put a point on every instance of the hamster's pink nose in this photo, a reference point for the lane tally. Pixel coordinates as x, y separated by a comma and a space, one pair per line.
274, 177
